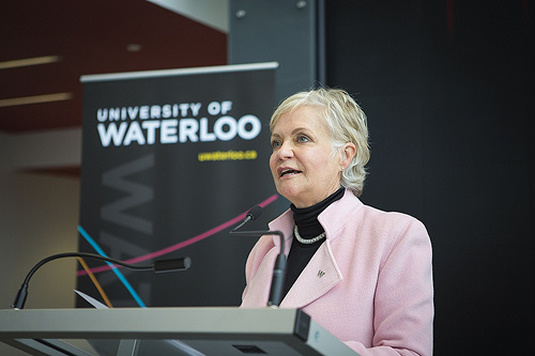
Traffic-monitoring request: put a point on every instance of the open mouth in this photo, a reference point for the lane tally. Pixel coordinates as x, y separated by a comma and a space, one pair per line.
288, 171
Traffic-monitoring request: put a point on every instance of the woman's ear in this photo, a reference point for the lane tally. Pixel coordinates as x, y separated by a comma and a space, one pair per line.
348, 152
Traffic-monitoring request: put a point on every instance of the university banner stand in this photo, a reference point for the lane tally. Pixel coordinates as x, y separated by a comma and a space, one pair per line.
171, 161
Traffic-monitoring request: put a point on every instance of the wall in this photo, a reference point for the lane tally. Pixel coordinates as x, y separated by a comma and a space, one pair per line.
38, 218
448, 90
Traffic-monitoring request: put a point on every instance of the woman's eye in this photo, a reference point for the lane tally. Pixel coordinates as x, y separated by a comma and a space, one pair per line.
302, 139
275, 144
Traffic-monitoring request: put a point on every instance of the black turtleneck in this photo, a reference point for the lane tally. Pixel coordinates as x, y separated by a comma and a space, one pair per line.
306, 220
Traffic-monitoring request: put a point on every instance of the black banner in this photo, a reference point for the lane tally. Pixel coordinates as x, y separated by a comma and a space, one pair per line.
171, 162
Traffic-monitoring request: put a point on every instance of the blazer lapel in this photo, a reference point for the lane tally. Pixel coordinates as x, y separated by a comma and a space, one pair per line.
319, 276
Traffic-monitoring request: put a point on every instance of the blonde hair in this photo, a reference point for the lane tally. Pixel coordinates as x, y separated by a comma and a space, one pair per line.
346, 122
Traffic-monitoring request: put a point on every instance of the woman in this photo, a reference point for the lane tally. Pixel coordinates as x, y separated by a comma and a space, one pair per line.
363, 274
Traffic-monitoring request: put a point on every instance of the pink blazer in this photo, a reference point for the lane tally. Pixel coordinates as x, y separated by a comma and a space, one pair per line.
370, 284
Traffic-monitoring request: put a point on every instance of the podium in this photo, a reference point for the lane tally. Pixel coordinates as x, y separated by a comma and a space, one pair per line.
167, 331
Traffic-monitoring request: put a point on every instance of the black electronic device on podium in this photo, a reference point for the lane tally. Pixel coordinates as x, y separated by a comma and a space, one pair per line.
167, 331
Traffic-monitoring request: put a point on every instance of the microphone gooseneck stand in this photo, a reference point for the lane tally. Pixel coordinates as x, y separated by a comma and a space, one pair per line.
279, 270
169, 265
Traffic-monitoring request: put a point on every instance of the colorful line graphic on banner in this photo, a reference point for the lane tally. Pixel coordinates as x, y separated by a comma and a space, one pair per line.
95, 282
118, 273
185, 243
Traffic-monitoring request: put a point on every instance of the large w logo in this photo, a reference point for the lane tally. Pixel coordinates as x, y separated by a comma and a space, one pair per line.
137, 195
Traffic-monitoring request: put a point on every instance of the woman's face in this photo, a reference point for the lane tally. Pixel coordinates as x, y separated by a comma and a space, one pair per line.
304, 169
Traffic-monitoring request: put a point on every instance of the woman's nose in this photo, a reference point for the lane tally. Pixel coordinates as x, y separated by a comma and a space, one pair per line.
285, 150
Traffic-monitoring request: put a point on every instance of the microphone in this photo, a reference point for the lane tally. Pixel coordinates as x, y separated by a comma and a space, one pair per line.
160, 266
251, 215
279, 270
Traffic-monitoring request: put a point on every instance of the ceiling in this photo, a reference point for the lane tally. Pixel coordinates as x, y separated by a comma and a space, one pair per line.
88, 37
67, 39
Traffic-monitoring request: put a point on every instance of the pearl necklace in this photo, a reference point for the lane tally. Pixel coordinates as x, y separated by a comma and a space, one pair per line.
307, 241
